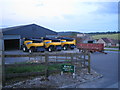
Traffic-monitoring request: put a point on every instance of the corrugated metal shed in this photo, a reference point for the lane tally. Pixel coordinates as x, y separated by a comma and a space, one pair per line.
7, 37
13, 36
28, 31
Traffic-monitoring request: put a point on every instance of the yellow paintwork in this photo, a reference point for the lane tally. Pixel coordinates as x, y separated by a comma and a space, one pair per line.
48, 43
33, 44
63, 42
51, 43
27, 42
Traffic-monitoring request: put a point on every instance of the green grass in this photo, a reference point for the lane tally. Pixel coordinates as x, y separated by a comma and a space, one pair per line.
37, 68
110, 50
112, 47
112, 36
23, 62
24, 69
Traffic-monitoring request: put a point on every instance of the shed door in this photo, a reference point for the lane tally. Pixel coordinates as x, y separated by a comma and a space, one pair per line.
12, 44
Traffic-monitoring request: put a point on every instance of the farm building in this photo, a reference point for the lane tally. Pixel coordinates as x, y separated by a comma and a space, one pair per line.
13, 36
108, 42
88, 39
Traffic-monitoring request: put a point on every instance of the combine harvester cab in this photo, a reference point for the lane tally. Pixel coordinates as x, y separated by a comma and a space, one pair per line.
67, 43
33, 45
52, 44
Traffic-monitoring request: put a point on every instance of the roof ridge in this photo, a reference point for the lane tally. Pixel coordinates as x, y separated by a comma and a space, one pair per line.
14, 27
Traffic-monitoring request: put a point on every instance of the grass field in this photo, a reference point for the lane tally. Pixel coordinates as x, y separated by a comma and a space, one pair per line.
112, 36
110, 50
37, 68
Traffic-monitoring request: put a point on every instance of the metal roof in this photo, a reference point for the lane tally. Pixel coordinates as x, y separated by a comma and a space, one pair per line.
66, 38
112, 41
28, 31
12, 28
106, 40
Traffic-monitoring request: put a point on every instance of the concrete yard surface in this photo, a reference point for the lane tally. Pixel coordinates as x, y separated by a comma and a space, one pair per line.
107, 65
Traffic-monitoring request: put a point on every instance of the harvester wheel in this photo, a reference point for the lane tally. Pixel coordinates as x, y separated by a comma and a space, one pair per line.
30, 51
50, 49
72, 48
65, 48
24, 49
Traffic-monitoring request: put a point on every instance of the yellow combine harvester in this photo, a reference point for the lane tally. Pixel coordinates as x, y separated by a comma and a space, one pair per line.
49, 44
67, 43
33, 45
52, 44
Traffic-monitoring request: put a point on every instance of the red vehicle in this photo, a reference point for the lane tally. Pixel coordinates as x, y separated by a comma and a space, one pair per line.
92, 47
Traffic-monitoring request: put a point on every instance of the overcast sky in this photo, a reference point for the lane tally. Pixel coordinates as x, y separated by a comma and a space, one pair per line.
61, 15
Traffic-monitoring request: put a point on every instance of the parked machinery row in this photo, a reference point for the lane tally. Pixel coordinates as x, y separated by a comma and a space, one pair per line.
49, 44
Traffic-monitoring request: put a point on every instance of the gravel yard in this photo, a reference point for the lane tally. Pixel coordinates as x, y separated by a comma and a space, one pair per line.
57, 80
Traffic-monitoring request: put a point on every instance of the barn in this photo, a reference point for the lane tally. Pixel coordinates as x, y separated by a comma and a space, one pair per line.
13, 36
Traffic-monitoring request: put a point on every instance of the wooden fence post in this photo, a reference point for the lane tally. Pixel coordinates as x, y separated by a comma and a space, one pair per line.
89, 68
56, 57
46, 69
2, 61
71, 58
65, 56
84, 53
